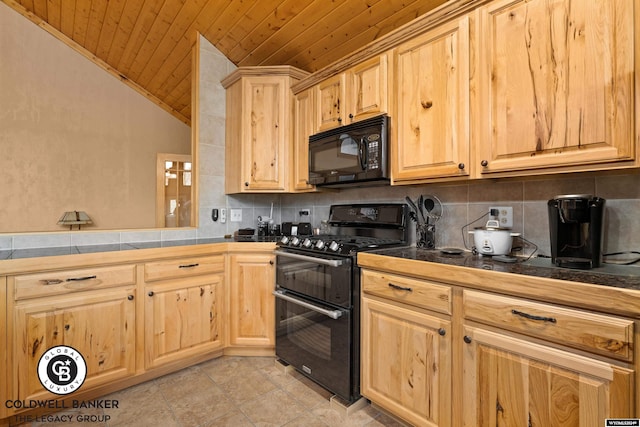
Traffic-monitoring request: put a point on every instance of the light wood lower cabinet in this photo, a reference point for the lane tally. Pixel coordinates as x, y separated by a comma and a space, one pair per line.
406, 352
406, 363
183, 318
100, 325
513, 382
435, 353
251, 303
133, 316
184, 307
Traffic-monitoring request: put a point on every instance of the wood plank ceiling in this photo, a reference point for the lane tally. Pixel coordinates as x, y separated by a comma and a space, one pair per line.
148, 42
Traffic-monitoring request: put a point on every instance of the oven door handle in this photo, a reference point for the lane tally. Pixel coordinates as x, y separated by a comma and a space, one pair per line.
334, 314
329, 262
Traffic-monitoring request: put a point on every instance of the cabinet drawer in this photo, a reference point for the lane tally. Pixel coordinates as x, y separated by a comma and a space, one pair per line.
65, 281
420, 293
601, 334
183, 267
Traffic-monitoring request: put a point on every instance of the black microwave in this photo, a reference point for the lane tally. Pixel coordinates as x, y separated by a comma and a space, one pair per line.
351, 155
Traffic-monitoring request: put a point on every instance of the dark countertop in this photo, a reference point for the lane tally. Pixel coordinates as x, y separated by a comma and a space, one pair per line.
627, 277
74, 250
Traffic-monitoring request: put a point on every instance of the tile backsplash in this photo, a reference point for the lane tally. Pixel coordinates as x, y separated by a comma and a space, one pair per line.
465, 202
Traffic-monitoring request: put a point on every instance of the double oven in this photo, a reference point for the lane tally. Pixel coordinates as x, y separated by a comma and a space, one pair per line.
318, 293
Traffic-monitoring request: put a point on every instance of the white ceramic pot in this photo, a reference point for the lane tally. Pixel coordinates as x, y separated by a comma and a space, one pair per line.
493, 240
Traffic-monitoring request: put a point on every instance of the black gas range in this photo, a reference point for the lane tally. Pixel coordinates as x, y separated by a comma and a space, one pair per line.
318, 293
357, 227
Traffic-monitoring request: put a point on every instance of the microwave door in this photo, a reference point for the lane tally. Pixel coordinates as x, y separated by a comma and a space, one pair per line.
336, 157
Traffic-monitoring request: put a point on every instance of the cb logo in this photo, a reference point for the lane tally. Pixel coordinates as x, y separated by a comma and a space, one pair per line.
62, 370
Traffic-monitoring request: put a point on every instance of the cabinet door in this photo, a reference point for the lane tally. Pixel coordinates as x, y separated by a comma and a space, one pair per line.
406, 363
330, 97
511, 382
182, 318
304, 121
556, 84
99, 325
367, 89
252, 304
266, 123
432, 118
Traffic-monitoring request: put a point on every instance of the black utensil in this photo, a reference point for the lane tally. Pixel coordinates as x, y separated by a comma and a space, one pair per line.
413, 206
420, 205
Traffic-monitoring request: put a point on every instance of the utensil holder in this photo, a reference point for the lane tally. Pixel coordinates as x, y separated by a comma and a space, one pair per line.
425, 236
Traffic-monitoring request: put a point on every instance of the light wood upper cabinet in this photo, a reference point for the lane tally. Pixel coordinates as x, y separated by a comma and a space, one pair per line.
431, 118
556, 85
252, 280
360, 92
259, 129
330, 98
367, 88
304, 122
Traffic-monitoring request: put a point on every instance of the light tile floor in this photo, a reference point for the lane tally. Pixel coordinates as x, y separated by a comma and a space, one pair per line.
228, 391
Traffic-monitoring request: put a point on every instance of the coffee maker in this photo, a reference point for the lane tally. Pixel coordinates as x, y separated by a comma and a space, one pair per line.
576, 230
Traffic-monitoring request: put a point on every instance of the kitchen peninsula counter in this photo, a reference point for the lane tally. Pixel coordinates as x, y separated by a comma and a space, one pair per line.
24, 260
612, 289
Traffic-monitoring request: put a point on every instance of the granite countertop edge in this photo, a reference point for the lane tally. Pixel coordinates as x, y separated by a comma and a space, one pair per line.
619, 276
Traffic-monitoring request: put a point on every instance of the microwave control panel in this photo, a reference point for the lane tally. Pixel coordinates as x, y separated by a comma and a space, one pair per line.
373, 152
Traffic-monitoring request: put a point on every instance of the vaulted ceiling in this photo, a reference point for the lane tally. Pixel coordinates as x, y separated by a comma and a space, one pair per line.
148, 42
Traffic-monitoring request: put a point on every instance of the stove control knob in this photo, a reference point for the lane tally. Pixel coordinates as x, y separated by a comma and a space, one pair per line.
320, 244
284, 240
307, 243
295, 241
334, 246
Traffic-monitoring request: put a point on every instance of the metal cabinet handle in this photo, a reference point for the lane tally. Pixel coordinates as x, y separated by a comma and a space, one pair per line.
534, 317
461, 166
188, 265
80, 279
150, 293
130, 297
400, 288
442, 331
484, 163
467, 339
334, 314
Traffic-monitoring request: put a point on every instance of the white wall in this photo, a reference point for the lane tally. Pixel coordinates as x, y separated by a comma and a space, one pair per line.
74, 137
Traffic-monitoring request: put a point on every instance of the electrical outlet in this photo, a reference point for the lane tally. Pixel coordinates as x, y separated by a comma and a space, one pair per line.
304, 212
504, 217
223, 215
236, 215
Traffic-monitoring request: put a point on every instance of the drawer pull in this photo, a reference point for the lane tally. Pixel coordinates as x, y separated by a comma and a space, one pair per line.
400, 288
442, 331
533, 317
80, 279
188, 265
